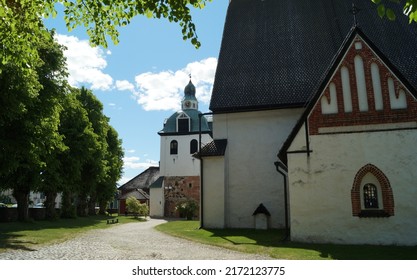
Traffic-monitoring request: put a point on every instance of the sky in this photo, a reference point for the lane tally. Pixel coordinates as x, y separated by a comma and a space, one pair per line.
141, 80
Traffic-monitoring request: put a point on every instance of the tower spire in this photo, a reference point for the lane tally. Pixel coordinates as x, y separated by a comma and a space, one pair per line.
189, 101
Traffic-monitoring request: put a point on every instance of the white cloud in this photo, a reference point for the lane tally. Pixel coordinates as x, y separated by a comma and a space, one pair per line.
85, 63
112, 104
136, 163
131, 151
125, 85
164, 90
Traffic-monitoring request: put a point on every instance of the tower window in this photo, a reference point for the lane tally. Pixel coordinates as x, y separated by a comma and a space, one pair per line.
183, 123
193, 146
173, 147
370, 196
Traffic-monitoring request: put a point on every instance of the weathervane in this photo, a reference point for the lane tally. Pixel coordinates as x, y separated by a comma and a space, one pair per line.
354, 11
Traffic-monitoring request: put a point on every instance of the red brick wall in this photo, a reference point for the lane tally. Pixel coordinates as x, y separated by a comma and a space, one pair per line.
179, 188
372, 116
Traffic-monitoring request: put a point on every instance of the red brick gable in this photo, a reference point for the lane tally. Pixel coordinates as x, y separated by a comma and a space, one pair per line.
374, 111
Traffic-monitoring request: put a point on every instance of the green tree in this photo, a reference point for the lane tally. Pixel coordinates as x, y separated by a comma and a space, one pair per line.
93, 170
52, 77
134, 206
29, 128
187, 208
80, 139
114, 159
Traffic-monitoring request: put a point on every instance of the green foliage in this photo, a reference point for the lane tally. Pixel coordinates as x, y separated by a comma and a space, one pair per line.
21, 27
29, 134
113, 169
134, 206
103, 18
187, 208
409, 9
93, 168
55, 138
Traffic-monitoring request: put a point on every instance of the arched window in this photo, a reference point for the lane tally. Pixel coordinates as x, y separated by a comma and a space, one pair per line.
371, 193
173, 147
370, 196
193, 146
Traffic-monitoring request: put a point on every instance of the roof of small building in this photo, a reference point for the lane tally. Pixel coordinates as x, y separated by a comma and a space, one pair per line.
141, 181
274, 53
157, 184
214, 148
261, 209
136, 193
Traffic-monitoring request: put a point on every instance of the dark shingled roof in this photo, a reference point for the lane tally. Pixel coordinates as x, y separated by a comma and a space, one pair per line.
137, 193
142, 181
214, 148
274, 53
157, 184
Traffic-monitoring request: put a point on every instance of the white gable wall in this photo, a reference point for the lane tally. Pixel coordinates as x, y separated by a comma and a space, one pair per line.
254, 138
320, 187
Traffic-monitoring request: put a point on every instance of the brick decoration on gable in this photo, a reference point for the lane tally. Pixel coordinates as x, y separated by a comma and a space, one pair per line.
387, 195
357, 117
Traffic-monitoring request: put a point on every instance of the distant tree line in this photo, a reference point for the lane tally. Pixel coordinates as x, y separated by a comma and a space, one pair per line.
55, 138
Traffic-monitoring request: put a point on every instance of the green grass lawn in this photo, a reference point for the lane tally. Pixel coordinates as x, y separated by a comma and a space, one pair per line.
29, 235
269, 243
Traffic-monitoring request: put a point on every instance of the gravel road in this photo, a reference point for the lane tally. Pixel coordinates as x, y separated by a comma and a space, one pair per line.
132, 241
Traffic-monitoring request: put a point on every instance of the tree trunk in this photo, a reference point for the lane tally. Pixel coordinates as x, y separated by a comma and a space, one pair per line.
82, 205
22, 198
92, 205
67, 207
103, 207
50, 205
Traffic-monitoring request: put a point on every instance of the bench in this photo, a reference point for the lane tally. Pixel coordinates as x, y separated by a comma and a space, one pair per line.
112, 220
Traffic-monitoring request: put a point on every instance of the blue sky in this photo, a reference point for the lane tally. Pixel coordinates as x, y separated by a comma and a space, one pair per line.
140, 81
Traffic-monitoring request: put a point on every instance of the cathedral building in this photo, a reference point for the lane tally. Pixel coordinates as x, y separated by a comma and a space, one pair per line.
314, 123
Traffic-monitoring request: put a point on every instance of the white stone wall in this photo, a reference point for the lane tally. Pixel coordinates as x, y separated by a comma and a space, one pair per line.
181, 164
156, 202
213, 192
320, 187
254, 139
